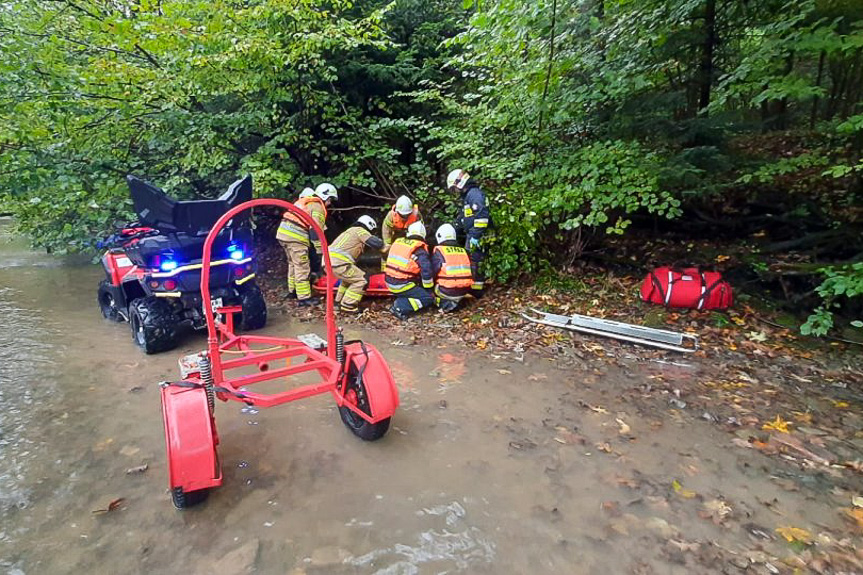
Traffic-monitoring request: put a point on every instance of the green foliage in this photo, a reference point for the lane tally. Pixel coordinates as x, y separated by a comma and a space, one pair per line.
574, 115
841, 283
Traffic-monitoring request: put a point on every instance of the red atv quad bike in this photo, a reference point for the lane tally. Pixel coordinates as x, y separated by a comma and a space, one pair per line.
153, 268
353, 372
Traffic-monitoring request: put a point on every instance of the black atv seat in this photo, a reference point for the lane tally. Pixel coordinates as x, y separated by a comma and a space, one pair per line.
192, 218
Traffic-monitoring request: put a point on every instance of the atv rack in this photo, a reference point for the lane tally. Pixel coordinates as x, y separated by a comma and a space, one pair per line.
661, 338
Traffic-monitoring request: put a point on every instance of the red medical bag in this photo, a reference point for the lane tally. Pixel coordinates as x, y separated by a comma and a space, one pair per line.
686, 288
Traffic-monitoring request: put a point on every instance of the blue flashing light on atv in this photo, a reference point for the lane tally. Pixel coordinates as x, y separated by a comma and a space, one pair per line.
153, 267
235, 252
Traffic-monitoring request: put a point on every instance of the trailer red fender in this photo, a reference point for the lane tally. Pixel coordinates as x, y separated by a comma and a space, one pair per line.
377, 286
191, 439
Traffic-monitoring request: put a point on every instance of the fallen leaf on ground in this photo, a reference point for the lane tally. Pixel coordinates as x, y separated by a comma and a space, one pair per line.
504, 372
624, 428
715, 509
680, 490
537, 377
597, 409
792, 534
793, 443
604, 447
113, 506
138, 469
777, 424
857, 515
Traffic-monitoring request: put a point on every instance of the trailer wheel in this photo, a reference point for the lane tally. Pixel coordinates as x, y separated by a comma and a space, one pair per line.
254, 314
356, 394
107, 303
183, 500
154, 324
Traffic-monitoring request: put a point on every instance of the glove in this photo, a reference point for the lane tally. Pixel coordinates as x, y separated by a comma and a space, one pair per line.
473, 243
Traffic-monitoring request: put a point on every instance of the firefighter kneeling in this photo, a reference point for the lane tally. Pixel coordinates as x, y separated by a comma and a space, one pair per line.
451, 267
409, 272
344, 253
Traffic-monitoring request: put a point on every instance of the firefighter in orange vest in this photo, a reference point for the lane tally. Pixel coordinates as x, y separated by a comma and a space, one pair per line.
343, 255
396, 223
296, 237
451, 267
409, 273
314, 258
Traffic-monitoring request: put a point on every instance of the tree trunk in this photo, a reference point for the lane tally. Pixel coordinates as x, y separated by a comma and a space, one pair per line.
705, 70
550, 65
814, 115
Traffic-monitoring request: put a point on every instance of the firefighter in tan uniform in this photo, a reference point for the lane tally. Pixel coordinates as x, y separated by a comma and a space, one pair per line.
396, 223
296, 237
344, 253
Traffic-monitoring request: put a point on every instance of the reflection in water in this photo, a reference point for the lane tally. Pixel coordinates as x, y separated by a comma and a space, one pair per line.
457, 544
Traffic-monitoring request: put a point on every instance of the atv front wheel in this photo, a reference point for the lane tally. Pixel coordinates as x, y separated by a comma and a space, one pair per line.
107, 303
154, 324
254, 314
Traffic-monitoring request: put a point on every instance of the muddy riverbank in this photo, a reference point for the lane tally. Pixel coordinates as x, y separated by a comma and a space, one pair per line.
495, 463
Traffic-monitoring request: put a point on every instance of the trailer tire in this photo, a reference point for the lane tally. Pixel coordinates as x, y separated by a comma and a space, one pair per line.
154, 324
184, 500
360, 427
107, 303
254, 314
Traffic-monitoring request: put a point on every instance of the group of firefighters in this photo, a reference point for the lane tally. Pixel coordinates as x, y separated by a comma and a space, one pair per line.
420, 278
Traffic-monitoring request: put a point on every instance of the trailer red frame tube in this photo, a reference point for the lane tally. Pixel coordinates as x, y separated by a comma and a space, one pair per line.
212, 332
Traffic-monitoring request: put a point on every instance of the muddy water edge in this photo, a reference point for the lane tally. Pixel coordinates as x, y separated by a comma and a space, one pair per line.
489, 467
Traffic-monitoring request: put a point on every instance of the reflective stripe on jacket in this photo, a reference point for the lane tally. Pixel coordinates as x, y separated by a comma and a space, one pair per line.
401, 264
455, 268
349, 245
395, 225
310, 205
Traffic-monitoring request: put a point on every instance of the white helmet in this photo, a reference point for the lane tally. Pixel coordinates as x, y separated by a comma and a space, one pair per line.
416, 229
326, 191
307, 192
445, 233
457, 179
367, 222
404, 206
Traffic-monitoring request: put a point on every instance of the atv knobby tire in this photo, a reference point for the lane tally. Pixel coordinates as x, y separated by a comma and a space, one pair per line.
154, 324
254, 314
107, 304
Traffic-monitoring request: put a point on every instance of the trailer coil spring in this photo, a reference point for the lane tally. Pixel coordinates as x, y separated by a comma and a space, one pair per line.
206, 370
340, 347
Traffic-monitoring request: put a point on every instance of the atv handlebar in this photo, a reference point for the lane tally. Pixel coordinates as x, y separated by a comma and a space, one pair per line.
212, 334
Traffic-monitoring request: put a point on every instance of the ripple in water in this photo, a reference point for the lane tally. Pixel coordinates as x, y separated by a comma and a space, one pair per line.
456, 544
23, 383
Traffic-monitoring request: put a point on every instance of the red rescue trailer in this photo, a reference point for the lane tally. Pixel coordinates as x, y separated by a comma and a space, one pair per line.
353, 372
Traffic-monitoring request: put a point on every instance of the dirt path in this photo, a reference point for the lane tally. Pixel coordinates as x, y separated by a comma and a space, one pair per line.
600, 461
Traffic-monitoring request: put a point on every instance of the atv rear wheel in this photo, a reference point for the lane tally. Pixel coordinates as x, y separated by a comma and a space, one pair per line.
107, 304
357, 395
254, 314
154, 324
